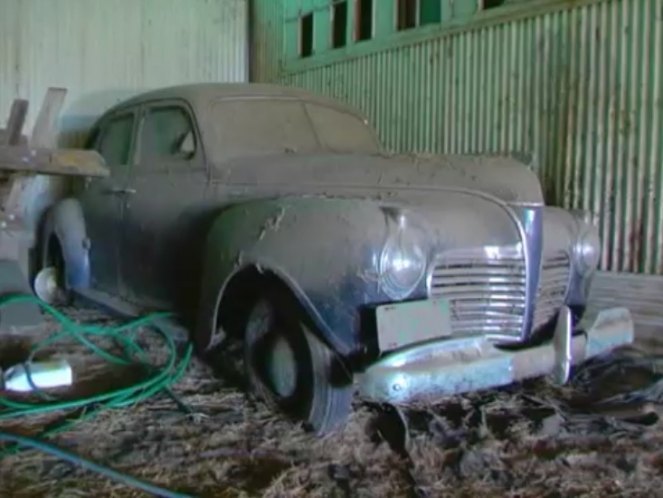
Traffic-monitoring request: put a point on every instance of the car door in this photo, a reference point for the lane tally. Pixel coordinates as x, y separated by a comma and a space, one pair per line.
102, 198
169, 186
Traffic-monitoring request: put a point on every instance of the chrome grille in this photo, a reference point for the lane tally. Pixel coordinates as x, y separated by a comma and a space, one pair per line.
553, 286
486, 290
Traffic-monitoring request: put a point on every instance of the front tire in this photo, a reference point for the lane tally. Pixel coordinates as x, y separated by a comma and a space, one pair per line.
290, 368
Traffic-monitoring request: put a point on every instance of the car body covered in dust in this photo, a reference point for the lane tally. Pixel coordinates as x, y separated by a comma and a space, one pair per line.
275, 215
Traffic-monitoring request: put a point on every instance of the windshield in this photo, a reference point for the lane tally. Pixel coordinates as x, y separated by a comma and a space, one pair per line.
259, 126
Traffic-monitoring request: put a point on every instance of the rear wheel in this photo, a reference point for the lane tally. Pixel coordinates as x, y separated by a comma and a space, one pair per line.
289, 367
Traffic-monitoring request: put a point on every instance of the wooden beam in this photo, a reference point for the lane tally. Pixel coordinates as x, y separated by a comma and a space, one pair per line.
45, 130
17, 115
68, 162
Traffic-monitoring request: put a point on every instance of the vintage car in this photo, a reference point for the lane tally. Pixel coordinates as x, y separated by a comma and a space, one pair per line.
275, 217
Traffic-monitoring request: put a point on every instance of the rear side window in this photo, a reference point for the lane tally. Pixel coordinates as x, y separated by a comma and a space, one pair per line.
115, 141
167, 133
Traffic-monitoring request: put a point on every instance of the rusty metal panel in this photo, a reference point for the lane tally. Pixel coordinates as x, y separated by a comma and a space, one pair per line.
104, 51
267, 39
579, 84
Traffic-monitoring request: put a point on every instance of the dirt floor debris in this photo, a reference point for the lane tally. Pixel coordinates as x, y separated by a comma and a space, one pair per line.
599, 436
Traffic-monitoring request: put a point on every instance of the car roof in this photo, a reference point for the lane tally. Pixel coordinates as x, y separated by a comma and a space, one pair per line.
200, 94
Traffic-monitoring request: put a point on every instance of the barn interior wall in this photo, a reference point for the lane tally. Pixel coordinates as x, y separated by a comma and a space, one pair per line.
105, 51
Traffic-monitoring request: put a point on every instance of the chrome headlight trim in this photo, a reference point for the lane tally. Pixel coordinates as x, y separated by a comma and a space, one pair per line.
587, 247
403, 261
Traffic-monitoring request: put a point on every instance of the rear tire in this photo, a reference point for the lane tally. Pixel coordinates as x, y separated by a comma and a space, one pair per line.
292, 369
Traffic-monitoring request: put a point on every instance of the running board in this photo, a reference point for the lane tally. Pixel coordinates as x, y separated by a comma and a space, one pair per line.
123, 309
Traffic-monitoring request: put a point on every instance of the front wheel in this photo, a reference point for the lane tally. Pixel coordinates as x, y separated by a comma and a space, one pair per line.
289, 367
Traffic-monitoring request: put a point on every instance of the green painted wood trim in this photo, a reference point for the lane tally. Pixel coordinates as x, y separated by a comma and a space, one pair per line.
413, 36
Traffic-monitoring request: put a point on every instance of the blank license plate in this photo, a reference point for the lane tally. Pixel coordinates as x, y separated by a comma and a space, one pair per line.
400, 324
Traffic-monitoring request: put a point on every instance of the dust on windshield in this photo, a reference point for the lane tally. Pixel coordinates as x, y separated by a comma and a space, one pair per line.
244, 127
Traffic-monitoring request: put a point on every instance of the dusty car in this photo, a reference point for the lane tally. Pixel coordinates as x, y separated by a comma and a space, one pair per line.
277, 217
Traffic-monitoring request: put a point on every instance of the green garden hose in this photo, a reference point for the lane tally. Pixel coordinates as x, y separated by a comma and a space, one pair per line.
90, 465
159, 379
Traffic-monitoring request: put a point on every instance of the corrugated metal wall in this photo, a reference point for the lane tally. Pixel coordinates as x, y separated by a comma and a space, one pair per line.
579, 83
104, 50
267, 42
642, 295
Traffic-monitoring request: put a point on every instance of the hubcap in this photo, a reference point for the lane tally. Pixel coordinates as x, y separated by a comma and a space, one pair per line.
47, 287
281, 367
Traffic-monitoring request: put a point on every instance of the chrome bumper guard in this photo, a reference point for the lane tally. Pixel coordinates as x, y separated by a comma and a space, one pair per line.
452, 366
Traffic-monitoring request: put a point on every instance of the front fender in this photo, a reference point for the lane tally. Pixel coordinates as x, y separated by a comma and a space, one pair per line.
65, 221
325, 250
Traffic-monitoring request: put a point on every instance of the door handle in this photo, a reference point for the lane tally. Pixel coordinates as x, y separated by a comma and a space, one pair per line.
121, 191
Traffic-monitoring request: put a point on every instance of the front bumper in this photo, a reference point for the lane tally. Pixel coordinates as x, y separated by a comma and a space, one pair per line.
452, 366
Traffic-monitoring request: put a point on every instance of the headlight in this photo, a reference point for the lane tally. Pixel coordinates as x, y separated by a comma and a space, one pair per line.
403, 259
587, 249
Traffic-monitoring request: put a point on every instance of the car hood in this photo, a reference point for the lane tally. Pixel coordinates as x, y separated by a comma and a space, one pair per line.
367, 175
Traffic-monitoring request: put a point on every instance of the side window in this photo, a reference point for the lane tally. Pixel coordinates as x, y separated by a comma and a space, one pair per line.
115, 141
167, 133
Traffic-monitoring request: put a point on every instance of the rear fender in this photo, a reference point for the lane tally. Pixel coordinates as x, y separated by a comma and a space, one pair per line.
65, 222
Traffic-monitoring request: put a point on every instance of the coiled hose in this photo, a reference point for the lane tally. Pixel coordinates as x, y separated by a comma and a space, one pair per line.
159, 379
